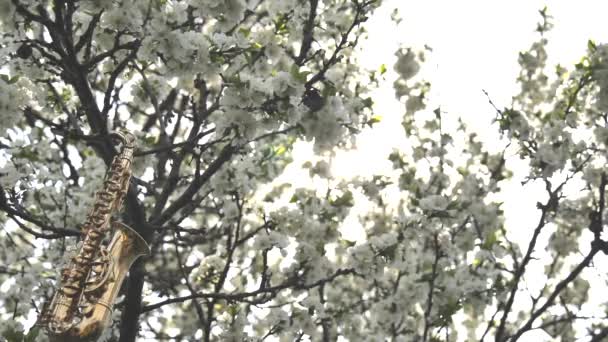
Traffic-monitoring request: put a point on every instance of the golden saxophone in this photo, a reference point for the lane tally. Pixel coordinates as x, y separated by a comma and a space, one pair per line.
81, 307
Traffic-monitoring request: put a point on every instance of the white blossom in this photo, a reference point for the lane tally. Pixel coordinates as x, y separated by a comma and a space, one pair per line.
12, 98
406, 66
434, 202
384, 240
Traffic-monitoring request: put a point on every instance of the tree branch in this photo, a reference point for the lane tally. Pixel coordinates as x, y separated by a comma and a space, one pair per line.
307, 33
292, 282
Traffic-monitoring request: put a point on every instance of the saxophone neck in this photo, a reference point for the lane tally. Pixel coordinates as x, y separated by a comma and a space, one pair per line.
126, 139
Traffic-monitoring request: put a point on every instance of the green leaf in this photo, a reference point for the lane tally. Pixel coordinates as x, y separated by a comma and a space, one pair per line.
389, 252
463, 171
281, 25
347, 243
425, 278
66, 95
453, 205
328, 91
158, 4
297, 74
150, 140
431, 125
447, 310
245, 32
490, 240
27, 153
32, 334
280, 150
591, 45
374, 119
13, 335
382, 69
346, 200
233, 309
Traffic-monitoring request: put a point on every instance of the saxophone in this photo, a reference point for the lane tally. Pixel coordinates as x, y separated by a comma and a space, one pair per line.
81, 307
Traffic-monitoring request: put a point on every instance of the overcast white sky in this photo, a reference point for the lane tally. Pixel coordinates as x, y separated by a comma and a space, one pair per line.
475, 46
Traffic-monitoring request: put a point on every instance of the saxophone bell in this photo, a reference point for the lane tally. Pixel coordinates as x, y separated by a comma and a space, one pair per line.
124, 248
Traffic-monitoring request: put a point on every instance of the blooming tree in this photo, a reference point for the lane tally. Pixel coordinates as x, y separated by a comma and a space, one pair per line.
217, 93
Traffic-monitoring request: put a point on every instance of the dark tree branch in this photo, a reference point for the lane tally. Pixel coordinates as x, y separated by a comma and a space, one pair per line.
294, 282
114, 75
307, 33
521, 270
26, 216
597, 245
335, 56
429, 300
185, 276
199, 180
558, 289
87, 36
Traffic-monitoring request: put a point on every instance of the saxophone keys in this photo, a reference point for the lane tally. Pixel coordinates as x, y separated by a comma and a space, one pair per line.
79, 260
98, 268
95, 234
104, 195
70, 291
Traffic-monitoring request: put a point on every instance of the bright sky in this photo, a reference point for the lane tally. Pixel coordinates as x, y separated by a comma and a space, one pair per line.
475, 46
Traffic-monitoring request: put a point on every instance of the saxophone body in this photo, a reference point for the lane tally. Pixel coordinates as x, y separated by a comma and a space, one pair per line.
81, 307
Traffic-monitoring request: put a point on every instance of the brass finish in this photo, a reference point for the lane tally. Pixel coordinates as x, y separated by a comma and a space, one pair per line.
81, 307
